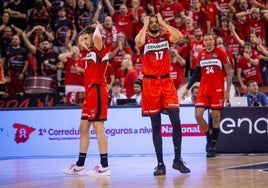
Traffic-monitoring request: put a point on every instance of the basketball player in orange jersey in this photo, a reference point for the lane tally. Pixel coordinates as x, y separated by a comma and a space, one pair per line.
95, 105
159, 93
212, 65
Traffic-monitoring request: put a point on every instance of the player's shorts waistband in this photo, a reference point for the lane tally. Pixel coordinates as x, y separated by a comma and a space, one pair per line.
156, 77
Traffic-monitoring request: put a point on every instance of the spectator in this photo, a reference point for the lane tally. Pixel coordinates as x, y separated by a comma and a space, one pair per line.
135, 10
60, 28
37, 34
137, 85
118, 50
231, 43
212, 12
196, 45
47, 62
170, 8
223, 7
177, 67
241, 21
223, 28
188, 35
179, 22
136, 59
16, 59
130, 76
18, 13
192, 98
137, 26
123, 21
6, 32
221, 44
248, 67
199, 17
116, 93
4, 80
110, 76
109, 31
69, 6
52, 7
254, 97
74, 73
255, 23
39, 16
83, 14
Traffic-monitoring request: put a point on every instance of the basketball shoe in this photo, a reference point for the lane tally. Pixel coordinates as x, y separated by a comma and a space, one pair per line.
75, 170
160, 170
99, 171
179, 165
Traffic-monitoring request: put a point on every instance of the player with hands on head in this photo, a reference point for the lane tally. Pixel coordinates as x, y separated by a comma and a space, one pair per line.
159, 94
95, 105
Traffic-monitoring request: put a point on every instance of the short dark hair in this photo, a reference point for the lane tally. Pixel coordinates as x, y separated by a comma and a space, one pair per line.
138, 81
193, 88
250, 82
117, 83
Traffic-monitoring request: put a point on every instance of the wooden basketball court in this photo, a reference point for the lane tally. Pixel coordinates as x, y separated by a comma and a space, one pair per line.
230, 171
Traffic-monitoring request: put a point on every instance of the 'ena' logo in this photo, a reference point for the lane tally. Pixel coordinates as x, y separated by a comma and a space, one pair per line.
260, 125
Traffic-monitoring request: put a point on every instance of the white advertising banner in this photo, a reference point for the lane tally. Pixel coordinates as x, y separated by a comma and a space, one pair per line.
55, 132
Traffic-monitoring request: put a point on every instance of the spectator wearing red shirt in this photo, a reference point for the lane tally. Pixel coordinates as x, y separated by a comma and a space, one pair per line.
177, 70
248, 67
199, 16
118, 50
221, 44
231, 42
110, 76
74, 70
123, 21
195, 46
255, 22
109, 31
212, 12
188, 35
131, 75
169, 8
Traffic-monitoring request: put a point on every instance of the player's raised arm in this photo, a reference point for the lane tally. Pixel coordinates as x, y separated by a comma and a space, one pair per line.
97, 38
140, 38
175, 34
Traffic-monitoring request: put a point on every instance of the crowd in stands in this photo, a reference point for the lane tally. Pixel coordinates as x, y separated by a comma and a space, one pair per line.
38, 38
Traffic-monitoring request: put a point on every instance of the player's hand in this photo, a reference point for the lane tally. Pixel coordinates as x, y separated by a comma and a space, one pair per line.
160, 19
185, 93
146, 21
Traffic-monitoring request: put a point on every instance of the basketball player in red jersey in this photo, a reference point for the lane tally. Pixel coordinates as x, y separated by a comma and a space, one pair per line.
159, 92
95, 106
211, 64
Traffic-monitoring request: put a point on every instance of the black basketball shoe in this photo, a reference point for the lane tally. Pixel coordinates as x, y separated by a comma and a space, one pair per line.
180, 166
160, 170
210, 149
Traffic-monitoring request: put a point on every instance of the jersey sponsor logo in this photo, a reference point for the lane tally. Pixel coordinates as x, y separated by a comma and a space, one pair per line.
91, 56
156, 46
210, 62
